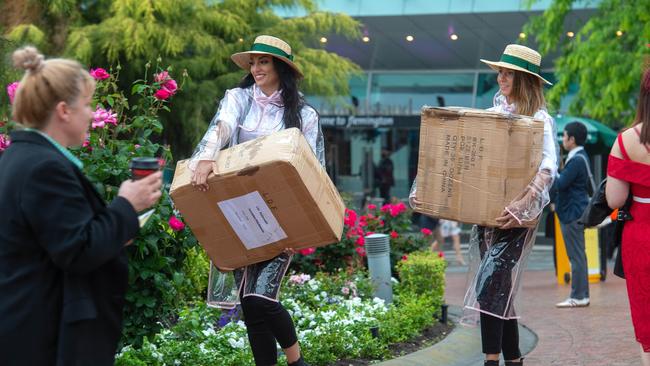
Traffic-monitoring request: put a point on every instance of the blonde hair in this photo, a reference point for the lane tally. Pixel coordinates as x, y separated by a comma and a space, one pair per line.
45, 84
528, 93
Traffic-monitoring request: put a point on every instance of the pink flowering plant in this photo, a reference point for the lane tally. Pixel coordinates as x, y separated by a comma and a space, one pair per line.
393, 219
126, 125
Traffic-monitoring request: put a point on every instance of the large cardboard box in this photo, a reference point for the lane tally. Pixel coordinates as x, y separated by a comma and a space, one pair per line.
473, 163
266, 195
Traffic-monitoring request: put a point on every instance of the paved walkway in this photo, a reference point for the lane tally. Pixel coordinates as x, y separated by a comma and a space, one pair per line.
600, 334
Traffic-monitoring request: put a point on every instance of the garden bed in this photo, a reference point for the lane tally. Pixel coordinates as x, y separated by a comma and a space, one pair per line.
333, 314
429, 336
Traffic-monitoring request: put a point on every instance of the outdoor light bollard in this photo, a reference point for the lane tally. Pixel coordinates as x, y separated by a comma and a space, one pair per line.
443, 313
378, 252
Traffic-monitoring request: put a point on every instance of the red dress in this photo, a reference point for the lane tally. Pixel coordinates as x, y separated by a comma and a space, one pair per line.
636, 240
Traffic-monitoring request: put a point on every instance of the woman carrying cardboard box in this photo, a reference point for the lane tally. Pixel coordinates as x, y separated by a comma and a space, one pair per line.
266, 100
500, 253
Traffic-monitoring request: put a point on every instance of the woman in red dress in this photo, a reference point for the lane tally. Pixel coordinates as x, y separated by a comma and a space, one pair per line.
629, 171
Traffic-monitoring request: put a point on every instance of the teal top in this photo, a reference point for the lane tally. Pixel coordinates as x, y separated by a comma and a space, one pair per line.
73, 159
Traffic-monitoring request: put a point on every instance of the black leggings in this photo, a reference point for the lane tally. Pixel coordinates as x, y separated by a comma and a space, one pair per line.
267, 321
499, 335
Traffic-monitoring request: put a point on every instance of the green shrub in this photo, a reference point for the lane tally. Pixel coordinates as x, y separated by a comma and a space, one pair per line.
407, 319
422, 274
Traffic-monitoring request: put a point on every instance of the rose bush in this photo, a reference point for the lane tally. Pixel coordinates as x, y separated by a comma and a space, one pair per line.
391, 219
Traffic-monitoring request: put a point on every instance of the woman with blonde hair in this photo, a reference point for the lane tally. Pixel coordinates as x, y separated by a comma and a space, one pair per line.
503, 251
498, 254
63, 268
628, 171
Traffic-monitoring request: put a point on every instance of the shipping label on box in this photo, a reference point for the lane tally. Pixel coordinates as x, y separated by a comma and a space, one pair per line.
472, 163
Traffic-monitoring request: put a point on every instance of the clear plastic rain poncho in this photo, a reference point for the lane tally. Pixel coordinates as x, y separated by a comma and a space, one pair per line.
245, 114
497, 257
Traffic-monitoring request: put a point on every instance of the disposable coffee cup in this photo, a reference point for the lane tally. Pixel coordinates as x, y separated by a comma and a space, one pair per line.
142, 167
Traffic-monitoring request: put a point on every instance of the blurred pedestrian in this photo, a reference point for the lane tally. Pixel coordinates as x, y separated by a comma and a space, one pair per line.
572, 199
385, 178
451, 229
63, 268
628, 171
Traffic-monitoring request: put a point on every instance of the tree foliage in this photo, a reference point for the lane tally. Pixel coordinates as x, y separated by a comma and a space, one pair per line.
193, 35
605, 58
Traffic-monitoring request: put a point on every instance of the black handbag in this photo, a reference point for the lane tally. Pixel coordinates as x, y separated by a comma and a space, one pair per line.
597, 210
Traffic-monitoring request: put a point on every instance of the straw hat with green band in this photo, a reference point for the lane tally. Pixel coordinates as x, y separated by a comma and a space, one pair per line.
520, 58
266, 45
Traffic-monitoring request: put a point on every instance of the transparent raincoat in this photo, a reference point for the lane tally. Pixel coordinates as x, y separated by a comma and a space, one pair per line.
497, 257
245, 114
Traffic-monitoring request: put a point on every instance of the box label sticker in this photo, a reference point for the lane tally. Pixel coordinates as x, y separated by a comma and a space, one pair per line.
252, 220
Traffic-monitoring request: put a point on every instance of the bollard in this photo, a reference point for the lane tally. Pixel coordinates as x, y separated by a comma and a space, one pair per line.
443, 313
378, 252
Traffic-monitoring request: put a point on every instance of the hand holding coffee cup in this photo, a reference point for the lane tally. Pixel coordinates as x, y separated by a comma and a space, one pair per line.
143, 190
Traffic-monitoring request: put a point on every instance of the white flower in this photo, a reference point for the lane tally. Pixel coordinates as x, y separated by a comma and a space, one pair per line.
236, 343
209, 332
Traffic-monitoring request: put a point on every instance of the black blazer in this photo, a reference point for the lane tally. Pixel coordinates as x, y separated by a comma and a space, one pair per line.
63, 268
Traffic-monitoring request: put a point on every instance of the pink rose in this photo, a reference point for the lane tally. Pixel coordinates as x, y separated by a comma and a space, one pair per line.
369, 233
426, 232
372, 207
11, 91
350, 217
102, 117
163, 94
394, 210
176, 224
361, 241
170, 85
405, 257
345, 291
441, 254
4, 142
394, 234
161, 77
385, 208
307, 251
361, 251
99, 74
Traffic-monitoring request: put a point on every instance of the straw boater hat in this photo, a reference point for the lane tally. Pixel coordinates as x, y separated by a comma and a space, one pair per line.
520, 58
267, 45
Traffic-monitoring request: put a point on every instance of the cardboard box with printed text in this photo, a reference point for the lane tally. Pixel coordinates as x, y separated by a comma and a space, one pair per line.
473, 163
266, 195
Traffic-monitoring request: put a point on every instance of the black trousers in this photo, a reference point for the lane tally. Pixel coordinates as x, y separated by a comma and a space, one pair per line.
267, 321
499, 335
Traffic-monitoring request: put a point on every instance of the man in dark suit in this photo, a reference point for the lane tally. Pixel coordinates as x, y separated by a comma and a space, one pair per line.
572, 198
63, 269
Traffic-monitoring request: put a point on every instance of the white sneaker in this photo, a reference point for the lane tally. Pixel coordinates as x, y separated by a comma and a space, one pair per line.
573, 303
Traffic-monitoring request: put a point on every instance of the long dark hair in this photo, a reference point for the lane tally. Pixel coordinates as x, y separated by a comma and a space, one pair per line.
291, 98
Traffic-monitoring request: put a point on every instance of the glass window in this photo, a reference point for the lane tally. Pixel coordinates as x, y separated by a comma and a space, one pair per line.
355, 103
485, 89
406, 93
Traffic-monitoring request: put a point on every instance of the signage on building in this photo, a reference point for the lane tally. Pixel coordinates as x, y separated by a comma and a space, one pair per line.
370, 121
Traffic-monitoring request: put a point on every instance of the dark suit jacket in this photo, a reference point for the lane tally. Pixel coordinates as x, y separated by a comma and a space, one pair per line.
63, 270
572, 196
